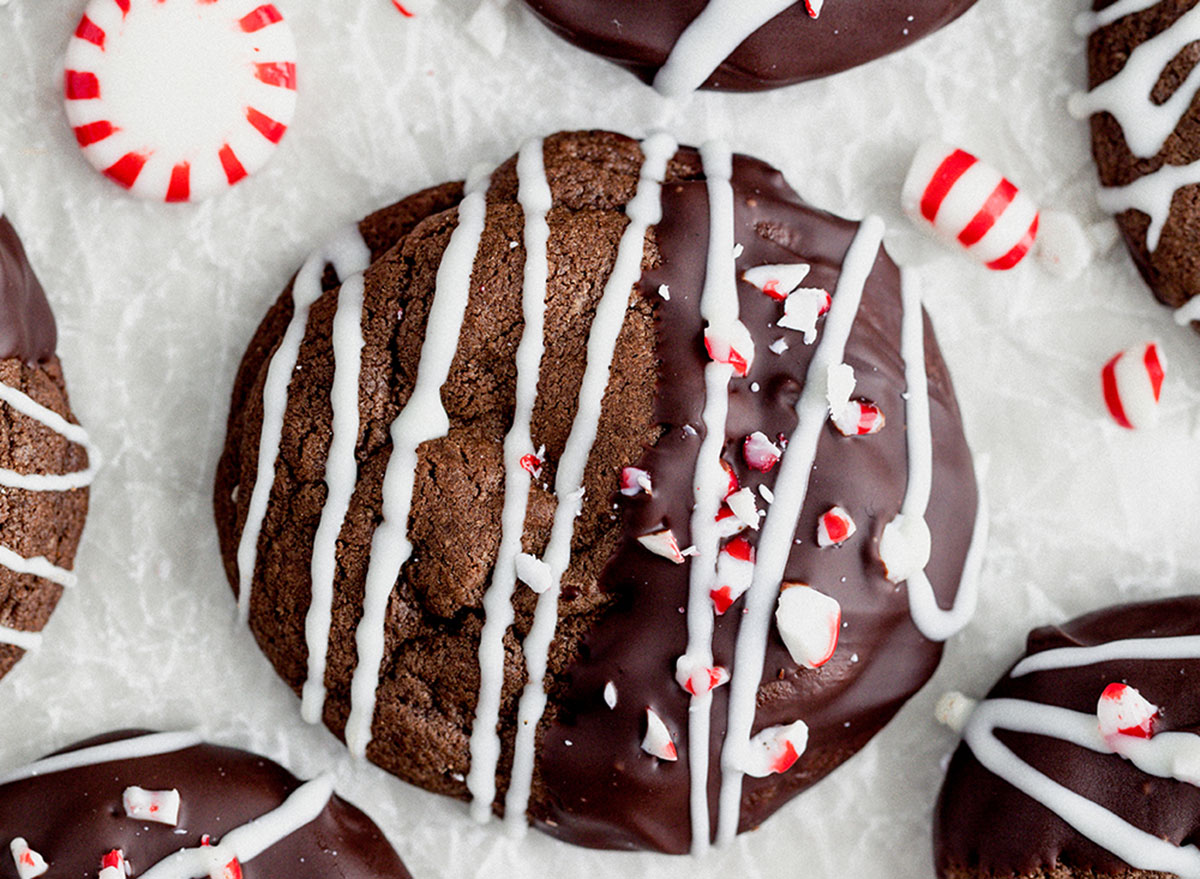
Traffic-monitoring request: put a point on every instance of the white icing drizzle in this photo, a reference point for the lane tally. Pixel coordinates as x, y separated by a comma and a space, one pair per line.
710, 38
18, 638
348, 254
932, 621
1086, 22
719, 307
535, 199
1188, 312
643, 211
341, 475
1142, 649
1146, 125
775, 542
148, 745
421, 420
250, 840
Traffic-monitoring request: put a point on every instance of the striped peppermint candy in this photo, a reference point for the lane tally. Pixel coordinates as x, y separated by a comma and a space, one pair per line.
161, 806
967, 201
177, 100
29, 863
1132, 383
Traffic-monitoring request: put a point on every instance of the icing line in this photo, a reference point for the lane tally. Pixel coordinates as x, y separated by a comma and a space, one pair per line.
148, 745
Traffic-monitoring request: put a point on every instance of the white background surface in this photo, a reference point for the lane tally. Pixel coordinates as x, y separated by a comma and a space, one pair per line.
156, 303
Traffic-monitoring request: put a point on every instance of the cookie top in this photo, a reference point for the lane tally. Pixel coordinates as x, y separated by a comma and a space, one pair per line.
730, 45
1082, 760
515, 592
176, 807
46, 462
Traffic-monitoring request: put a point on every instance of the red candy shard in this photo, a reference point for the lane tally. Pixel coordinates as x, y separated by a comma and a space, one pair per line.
180, 187
731, 344
532, 465
735, 570
760, 453
697, 678
663, 543
733, 480
90, 31
744, 506
29, 863
809, 622
264, 15
94, 132
634, 481
658, 742
775, 749
267, 127
124, 172
277, 73
124, 6
233, 167
81, 85
1123, 711
859, 418
113, 866
728, 523
835, 527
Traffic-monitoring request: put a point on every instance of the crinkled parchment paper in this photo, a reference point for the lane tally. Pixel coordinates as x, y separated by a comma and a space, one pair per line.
156, 303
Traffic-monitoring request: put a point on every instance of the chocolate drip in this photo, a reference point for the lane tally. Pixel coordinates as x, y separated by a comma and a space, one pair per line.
791, 48
984, 825
73, 818
27, 328
608, 793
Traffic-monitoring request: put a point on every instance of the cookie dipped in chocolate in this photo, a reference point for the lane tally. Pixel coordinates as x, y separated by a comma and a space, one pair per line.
173, 806
612, 497
1047, 784
27, 330
730, 45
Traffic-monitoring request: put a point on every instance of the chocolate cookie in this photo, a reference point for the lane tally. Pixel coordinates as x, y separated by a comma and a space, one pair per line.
162, 805
1084, 760
494, 512
44, 459
1146, 137
733, 45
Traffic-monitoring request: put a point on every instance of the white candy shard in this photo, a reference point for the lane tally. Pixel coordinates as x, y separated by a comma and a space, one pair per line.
657, 741
1063, 248
728, 524
533, 572
663, 543
1132, 382
610, 694
814, 7
732, 344
29, 863
839, 388
775, 749
835, 527
1123, 711
779, 346
760, 453
744, 507
634, 481
113, 866
802, 309
953, 710
161, 806
777, 281
905, 547
809, 623
735, 570
697, 678
859, 418
969, 203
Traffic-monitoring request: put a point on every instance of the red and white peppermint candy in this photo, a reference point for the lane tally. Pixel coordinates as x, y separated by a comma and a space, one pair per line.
697, 678
744, 506
809, 623
634, 481
777, 281
230, 870
178, 100
161, 806
1132, 383
658, 742
113, 866
858, 418
728, 523
663, 543
835, 527
731, 344
735, 570
776, 749
532, 463
814, 7
967, 201
802, 310
29, 863
733, 480
760, 453
1123, 711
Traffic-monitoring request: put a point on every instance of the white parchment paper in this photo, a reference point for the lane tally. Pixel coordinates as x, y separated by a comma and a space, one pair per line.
156, 303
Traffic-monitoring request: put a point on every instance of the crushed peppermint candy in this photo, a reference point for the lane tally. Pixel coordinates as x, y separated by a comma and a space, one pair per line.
113, 866
776, 749
658, 742
29, 863
634, 481
859, 418
777, 281
697, 678
728, 523
733, 480
532, 464
743, 505
665, 292
835, 527
731, 344
760, 453
905, 547
779, 346
809, 623
663, 543
1123, 711
814, 7
610, 695
767, 494
735, 570
803, 308
161, 806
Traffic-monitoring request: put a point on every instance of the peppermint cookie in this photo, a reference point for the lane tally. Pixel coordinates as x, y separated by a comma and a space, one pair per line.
44, 459
1144, 136
619, 490
1083, 761
167, 805
734, 45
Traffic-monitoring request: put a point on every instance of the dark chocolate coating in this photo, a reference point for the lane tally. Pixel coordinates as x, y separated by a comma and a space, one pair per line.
619, 617
792, 47
27, 329
73, 818
984, 827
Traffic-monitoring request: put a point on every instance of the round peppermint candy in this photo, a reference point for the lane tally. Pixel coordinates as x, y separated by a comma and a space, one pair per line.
179, 99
